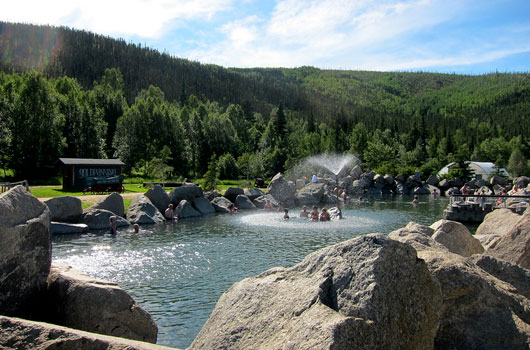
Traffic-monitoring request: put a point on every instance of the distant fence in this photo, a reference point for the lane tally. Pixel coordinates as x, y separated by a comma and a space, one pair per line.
6, 186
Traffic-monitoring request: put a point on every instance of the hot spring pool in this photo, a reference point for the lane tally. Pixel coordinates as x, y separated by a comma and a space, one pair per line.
177, 272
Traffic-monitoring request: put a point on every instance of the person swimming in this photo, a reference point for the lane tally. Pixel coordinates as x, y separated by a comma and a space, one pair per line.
314, 214
304, 213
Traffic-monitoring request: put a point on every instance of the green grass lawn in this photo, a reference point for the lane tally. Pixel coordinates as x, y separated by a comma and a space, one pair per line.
57, 191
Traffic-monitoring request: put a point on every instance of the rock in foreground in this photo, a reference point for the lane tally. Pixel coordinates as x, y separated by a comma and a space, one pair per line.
366, 293
25, 251
98, 306
514, 245
28, 335
485, 300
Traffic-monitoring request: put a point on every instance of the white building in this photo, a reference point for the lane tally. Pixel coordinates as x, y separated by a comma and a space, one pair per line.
484, 169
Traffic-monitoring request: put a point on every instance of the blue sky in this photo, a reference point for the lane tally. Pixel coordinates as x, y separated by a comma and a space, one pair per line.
461, 36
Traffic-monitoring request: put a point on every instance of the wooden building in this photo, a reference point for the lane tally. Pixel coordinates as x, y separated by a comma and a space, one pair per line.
82, 173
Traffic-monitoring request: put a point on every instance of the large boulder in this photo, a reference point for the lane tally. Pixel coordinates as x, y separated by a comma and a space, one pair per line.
79, 301
65, 208
364, 181
311, 194
30, 335
25, 251
379, 181
261, 200
433, 180
456, 238
99, 219
188, 193
62, 228
499, 222
422, 190
113, 203
159, 197
232, 192
221, 204
243, 202
142, 211
366, 293
356, 172
514, 245
521, 181
253, 193
282, 190
202, 204
401, 188
185, 210
485, 300
498, 180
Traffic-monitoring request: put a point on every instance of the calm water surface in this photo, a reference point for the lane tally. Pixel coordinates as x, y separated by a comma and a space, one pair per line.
178, 272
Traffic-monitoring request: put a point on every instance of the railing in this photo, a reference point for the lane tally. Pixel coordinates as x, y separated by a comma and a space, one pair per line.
464, 197
6, 186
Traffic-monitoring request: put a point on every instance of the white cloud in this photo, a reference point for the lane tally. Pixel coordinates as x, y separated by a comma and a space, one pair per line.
360, 34
144, 18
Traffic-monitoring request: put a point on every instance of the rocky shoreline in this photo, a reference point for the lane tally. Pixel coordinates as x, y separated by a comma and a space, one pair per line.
420, 287
189, 200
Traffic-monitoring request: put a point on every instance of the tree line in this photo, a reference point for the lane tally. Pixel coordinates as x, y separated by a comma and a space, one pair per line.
73, 93
42, 119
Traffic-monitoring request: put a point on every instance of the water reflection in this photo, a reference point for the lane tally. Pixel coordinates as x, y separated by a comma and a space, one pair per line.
177, 272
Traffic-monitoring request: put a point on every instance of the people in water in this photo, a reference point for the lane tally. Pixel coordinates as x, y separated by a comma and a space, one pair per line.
136, 228
324, 216
314, 214
416, 200
268, 205
113, 224
286, 214
304, 213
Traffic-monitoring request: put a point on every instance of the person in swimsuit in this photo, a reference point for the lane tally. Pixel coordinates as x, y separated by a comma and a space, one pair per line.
314, 214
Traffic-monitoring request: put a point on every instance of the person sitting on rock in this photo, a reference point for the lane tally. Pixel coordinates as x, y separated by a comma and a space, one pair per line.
324, 216
314, 214
286, 214
169, 214
304, 213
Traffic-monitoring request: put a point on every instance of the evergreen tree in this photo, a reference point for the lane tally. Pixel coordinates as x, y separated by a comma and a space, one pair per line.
211, 177
518, 164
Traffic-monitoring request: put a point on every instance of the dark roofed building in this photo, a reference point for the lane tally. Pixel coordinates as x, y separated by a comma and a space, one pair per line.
81, 173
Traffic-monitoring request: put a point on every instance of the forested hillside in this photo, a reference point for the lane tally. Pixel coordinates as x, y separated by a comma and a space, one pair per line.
73, 93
